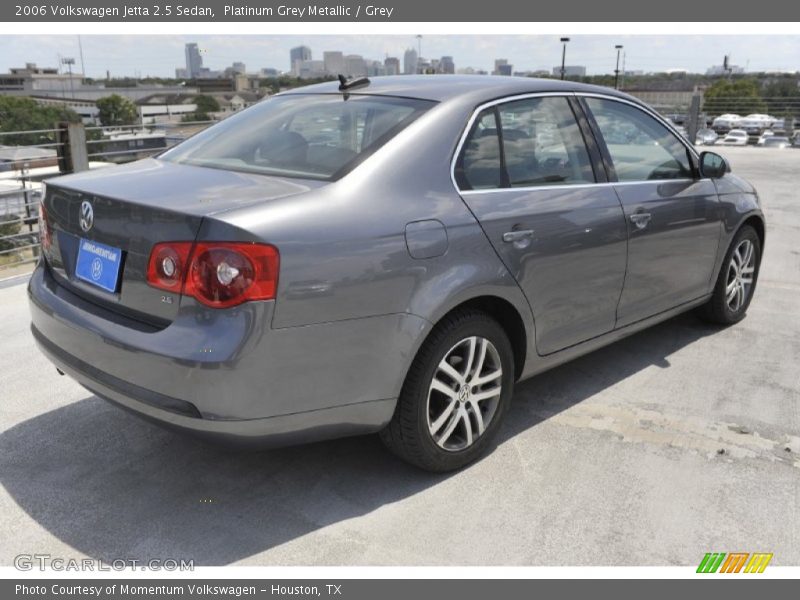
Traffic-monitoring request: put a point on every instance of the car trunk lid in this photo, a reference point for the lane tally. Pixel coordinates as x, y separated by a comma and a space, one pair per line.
134, 207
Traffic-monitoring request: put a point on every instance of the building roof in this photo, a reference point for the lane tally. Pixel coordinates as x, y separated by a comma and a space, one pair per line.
17, 153
167, 98
244, 95
446, 87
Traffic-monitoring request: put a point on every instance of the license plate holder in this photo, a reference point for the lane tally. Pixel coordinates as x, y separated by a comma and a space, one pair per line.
98, 264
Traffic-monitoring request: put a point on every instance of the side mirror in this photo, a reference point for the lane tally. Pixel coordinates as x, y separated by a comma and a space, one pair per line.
713, 165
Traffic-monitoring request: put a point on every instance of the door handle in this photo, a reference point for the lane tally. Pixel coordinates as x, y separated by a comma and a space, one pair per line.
517, 235
640, 219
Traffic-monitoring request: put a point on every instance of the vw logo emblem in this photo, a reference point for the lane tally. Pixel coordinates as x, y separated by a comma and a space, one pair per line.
463, 394
97, 269
86, 217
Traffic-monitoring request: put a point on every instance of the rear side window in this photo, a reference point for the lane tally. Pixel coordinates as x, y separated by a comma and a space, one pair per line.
524, 143
309, 136
479, 166
640, 147
542, 143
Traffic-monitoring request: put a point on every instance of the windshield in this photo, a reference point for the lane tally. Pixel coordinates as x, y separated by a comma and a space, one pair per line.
310, 136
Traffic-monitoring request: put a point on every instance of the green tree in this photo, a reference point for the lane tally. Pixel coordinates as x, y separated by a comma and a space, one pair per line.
195, 116
117, 110
206, 104
783, 96
25, 114
740, 96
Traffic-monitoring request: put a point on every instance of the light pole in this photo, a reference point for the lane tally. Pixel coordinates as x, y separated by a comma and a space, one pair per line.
564, 41
69, 62
616, 71
83, 66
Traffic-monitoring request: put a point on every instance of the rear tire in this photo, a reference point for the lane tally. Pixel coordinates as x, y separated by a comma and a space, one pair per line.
737, 280
455, 394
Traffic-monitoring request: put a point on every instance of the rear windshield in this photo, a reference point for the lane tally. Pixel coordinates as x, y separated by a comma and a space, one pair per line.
297, 135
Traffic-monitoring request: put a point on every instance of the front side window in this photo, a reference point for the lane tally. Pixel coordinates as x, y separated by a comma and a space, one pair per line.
524, 143
640, 147
314, 136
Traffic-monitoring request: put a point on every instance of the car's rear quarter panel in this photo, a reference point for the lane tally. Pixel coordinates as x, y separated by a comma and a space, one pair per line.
344, 253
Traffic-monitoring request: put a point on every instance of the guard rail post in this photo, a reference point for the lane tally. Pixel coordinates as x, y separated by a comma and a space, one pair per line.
693, 118
72, 153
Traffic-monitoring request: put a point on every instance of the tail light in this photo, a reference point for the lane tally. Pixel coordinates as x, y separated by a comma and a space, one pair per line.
217, 274
168, 265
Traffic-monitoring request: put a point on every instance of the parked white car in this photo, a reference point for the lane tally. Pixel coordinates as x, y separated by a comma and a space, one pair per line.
767, 134
735, 137
725, 122
756, 123
706, 137
777, 141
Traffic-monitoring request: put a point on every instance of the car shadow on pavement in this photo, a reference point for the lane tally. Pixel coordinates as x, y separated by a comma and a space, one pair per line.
114, 487
546, 395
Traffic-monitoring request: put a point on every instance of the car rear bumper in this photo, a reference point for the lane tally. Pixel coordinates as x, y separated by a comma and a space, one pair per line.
226, 374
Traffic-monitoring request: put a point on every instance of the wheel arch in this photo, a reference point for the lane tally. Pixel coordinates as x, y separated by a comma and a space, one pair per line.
508, 317
732, 224
757, 223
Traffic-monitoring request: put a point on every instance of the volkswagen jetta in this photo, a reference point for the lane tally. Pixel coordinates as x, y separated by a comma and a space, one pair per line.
385, 256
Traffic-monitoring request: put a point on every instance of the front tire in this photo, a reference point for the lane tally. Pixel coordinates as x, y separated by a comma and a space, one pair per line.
455, 394
737, 279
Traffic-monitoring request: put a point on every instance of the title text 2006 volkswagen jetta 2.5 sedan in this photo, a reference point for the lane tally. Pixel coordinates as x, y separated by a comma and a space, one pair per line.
385, 256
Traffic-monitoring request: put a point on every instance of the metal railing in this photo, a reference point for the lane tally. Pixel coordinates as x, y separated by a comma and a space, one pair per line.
104, 143
21, 171
21, 178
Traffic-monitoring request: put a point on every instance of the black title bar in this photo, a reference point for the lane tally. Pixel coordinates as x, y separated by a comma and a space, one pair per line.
397, 11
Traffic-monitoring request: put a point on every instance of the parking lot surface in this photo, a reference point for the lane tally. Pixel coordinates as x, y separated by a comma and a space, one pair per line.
680, 440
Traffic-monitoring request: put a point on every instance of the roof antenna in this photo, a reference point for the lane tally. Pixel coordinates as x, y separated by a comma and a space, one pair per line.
346, 84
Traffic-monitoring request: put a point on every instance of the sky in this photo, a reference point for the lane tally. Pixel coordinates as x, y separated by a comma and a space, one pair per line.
159, 55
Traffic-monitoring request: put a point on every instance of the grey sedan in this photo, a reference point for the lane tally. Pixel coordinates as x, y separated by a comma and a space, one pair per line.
385, 256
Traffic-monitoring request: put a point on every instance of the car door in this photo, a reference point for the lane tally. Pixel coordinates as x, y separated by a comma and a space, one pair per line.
526, 172
672, 214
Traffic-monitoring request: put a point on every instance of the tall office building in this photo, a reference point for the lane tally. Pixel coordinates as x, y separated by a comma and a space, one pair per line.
194, 62
309, 69
355, 65
570, 71
501, 67
446, 65
392, 65
410, 60
297, 56
334, 62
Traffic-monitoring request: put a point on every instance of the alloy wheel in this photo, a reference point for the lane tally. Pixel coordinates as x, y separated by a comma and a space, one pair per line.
741, 270
464, 393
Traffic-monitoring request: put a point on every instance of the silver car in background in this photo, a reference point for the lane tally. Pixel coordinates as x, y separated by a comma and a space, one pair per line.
385, 256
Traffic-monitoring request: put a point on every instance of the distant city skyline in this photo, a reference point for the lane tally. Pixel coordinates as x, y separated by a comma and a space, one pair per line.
159, 56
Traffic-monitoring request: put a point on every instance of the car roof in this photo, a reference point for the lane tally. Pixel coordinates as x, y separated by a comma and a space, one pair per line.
442, 88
